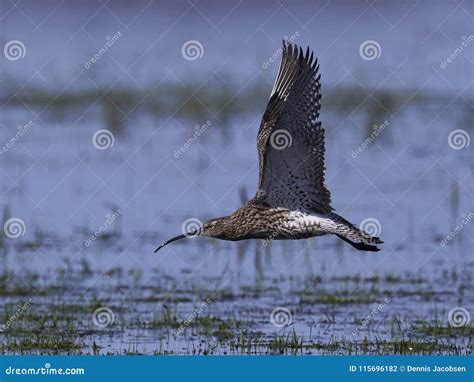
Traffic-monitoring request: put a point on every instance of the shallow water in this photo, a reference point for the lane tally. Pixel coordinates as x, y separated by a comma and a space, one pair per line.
411, 184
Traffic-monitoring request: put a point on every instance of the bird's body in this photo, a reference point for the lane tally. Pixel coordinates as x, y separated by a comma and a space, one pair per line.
258, 221
292, 200
279, 224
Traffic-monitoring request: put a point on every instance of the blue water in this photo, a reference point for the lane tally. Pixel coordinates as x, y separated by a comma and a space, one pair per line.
410, 180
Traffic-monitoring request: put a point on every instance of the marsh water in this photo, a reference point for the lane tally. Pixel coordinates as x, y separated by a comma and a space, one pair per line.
81, 276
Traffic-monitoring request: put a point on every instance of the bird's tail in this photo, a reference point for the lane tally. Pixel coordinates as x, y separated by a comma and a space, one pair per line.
354, 236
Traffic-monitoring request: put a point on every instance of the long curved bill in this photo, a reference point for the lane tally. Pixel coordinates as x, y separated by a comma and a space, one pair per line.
196, 232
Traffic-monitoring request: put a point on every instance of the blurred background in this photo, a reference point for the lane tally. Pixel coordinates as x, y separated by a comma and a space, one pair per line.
122, 122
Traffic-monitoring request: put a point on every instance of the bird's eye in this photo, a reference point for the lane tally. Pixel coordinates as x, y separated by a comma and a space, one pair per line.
210, 226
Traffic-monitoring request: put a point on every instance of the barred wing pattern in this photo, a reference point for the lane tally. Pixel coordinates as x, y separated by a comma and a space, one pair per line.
290, 140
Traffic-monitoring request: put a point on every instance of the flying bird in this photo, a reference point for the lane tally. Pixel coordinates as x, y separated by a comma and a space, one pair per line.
292, 201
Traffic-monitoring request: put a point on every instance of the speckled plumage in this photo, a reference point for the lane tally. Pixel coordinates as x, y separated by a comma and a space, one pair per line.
294, 176
292, 200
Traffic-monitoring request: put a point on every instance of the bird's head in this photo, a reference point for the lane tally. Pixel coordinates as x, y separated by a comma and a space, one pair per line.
219, 228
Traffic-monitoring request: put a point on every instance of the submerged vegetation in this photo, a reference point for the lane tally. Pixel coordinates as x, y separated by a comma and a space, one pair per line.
353, 317
198, 102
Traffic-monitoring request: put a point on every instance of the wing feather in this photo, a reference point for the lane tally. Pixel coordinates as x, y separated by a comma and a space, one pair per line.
292, 176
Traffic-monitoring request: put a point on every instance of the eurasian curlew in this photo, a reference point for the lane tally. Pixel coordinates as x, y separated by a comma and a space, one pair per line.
292, 200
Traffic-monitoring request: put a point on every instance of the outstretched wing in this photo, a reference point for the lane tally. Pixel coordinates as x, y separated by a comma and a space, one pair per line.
291, 140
